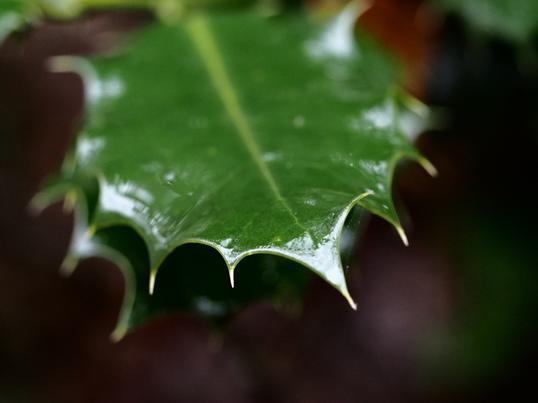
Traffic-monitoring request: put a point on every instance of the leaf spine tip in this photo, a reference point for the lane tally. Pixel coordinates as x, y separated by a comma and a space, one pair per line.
401, 232
232, 279
70, 201
118, 333
152, 277
68, 265
36, 206
429, 167
349, 300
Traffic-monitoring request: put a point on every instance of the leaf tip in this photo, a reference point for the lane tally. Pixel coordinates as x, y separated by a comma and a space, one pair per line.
152, 277
349, 300
118, 333
68, 265
65, 64
232, 278
70, 201
429, 167
402, 234
36, 206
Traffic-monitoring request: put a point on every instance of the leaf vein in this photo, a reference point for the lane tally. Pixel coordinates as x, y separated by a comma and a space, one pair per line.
200, 33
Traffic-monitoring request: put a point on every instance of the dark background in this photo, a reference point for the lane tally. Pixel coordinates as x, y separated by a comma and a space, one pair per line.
451, 318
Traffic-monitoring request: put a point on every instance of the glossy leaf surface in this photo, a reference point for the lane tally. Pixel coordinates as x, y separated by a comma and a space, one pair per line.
247, 134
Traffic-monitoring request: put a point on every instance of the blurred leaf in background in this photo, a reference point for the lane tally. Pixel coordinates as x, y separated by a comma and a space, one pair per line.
514, 19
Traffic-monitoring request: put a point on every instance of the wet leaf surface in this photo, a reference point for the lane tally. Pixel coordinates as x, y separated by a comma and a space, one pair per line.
249, 144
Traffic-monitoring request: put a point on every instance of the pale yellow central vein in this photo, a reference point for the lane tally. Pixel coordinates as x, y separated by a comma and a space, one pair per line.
202, 37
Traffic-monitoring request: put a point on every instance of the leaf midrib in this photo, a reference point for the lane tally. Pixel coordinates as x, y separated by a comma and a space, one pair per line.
200, 33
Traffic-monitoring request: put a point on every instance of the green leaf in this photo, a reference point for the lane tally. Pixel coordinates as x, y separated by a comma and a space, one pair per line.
30, 10
513, 19
11, 16
247, 134
17, 13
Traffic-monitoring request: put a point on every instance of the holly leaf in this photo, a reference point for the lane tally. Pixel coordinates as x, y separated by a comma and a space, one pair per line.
249, 135
513, 19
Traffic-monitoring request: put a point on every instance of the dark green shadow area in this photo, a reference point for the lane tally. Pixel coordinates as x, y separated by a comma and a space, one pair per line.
194, 277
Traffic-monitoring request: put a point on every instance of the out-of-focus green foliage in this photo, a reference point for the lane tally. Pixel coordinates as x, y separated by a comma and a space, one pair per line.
69, 9
513, 19
12, 14
496, 277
